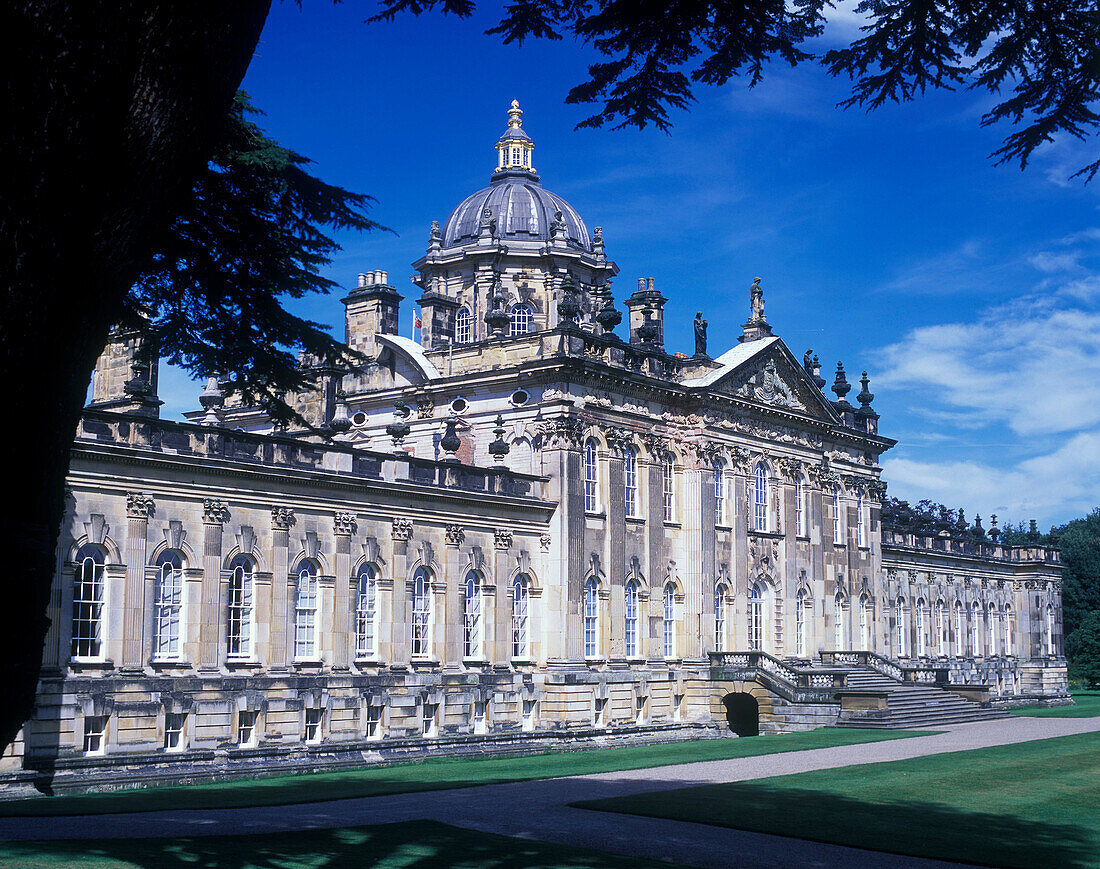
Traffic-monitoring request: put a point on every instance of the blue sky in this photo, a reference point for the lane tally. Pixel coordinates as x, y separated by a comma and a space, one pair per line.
889, 241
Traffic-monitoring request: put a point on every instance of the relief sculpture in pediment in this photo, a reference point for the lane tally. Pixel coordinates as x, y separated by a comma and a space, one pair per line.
767, 386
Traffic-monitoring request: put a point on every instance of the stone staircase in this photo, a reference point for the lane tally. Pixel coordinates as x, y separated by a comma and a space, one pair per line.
910, 704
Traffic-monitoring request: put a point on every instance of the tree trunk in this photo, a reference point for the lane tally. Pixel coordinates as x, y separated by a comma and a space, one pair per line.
113, 108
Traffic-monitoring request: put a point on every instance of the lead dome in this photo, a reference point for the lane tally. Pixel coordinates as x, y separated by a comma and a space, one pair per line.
521, 207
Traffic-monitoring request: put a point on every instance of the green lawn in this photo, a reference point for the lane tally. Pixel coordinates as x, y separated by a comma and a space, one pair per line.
434, 774
1088, 706
413, 843
1030, 804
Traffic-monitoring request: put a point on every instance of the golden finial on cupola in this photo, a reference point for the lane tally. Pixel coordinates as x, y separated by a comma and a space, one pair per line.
515, 146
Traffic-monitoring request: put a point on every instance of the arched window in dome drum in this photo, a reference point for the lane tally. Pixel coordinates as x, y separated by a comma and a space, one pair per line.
519, 320
464, 322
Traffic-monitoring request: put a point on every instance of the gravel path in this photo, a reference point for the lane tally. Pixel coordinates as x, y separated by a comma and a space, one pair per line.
540, 809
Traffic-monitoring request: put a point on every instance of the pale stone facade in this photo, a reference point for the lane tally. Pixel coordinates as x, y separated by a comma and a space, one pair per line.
520, 529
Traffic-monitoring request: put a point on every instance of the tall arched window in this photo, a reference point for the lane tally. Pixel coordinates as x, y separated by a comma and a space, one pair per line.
839, 606
669, 620
464, 326
958, 626
801, 625
471, 615
836, 518
421, 613
899, 627
238, 609
1010, 630
591, 478
756, 616
1049, 630
591, 619
799, 508
630, 480
305, 612
760, 498
87, 621
631, 618
975, 629
668, 486
519, 320
520, 604
719, 492
721, 605
941, 628
168, 606
865, 622
366, 611
922, 642
994, 634
861, 522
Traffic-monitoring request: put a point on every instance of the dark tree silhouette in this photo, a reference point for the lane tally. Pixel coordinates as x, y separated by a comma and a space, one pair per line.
1044, 53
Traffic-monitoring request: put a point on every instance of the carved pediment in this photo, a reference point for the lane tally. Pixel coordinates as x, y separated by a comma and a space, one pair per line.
770, 376
768, 386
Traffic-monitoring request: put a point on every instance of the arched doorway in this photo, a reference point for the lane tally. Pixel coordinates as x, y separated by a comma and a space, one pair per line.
742, 714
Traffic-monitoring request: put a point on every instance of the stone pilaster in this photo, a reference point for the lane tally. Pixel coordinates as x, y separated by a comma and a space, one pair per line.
282, 630
139, 509
502, 564
454, 626
344, 526
401, 613
211, 594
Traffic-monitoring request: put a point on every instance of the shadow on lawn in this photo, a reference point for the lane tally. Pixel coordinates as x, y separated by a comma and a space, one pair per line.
909, 828
411, 843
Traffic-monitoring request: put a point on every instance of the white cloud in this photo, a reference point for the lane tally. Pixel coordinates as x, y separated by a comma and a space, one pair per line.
1051, 487
1045, 261
1031, 366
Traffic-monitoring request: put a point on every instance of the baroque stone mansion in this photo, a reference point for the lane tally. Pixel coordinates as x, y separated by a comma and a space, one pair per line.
521, 530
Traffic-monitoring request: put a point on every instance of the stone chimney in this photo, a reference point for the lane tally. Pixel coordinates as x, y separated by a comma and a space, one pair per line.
120, 382
646, 306
370, 308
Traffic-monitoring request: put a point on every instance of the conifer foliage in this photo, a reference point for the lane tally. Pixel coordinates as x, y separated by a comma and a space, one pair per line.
251, 236
1043, 55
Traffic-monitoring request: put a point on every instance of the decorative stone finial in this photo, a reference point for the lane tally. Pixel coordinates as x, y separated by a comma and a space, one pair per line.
841, 386
340, 423
399, 429
496, 318
608, 317
499, 448
568, 308
865, 396
212, 400
515, 116
450, 442
866, 415
818, 379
